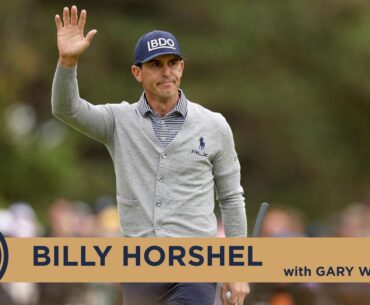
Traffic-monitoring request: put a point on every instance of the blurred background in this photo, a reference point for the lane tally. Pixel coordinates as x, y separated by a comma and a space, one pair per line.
291, 77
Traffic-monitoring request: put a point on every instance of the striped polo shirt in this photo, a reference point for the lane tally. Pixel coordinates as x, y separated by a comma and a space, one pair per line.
167, 127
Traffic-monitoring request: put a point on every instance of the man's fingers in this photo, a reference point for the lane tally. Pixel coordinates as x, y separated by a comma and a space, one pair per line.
58, 22
234, 293
74, 15
82, 21
223, 295
236, 297
233, 299
90, 35
66, 16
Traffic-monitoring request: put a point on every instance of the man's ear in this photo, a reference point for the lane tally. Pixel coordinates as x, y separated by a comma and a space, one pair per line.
136, 72
182, 64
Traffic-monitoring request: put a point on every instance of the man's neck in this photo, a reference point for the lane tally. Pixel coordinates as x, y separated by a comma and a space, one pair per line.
162, 106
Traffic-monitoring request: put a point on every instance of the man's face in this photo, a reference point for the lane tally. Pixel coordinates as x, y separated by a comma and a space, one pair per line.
160, 76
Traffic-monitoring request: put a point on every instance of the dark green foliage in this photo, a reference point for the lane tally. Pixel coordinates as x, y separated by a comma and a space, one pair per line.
292, 78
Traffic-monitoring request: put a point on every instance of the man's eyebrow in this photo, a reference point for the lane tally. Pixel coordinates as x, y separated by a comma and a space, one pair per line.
153, 60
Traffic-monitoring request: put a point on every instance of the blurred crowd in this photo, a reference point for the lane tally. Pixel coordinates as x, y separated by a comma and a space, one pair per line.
280, 221
65, 219
78, 219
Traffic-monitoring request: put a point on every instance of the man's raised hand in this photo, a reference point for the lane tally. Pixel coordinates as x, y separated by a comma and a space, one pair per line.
71, 40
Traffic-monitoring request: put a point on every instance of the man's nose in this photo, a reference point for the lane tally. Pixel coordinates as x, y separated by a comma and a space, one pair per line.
166, 69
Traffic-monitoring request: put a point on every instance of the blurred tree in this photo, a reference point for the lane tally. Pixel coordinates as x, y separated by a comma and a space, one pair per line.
291, 77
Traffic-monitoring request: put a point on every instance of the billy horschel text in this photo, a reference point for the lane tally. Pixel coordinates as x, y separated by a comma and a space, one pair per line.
174, 255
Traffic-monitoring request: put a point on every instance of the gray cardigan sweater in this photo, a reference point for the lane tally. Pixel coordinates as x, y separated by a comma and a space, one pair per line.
164, 192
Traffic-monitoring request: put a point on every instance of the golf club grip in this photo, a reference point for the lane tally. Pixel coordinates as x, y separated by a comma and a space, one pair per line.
260, 216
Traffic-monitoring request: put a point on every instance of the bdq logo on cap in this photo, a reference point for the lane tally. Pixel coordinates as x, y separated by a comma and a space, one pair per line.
154, 44
4, 255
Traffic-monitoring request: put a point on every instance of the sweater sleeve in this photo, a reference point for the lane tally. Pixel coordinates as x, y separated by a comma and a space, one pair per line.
96, 121
226, 170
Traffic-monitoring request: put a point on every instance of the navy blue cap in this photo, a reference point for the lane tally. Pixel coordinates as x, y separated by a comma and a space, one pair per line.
154, 44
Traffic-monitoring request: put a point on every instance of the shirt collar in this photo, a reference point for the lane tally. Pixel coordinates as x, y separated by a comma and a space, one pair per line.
180, 107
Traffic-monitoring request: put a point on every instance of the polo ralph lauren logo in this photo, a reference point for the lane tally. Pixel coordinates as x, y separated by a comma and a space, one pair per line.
197, 152
202, 145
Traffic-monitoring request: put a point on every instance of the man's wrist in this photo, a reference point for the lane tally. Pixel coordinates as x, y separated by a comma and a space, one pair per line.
68, 62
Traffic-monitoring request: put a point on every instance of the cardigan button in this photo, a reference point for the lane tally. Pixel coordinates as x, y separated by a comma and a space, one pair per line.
160, 178
158, 203
163, 155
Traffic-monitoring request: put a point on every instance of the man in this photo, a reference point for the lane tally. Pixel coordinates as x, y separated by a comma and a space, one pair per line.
169, 155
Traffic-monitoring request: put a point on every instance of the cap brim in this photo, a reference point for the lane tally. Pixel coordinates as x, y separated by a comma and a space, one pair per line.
159, 54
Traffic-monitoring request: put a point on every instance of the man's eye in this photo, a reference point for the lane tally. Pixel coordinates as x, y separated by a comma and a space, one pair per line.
155, 64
